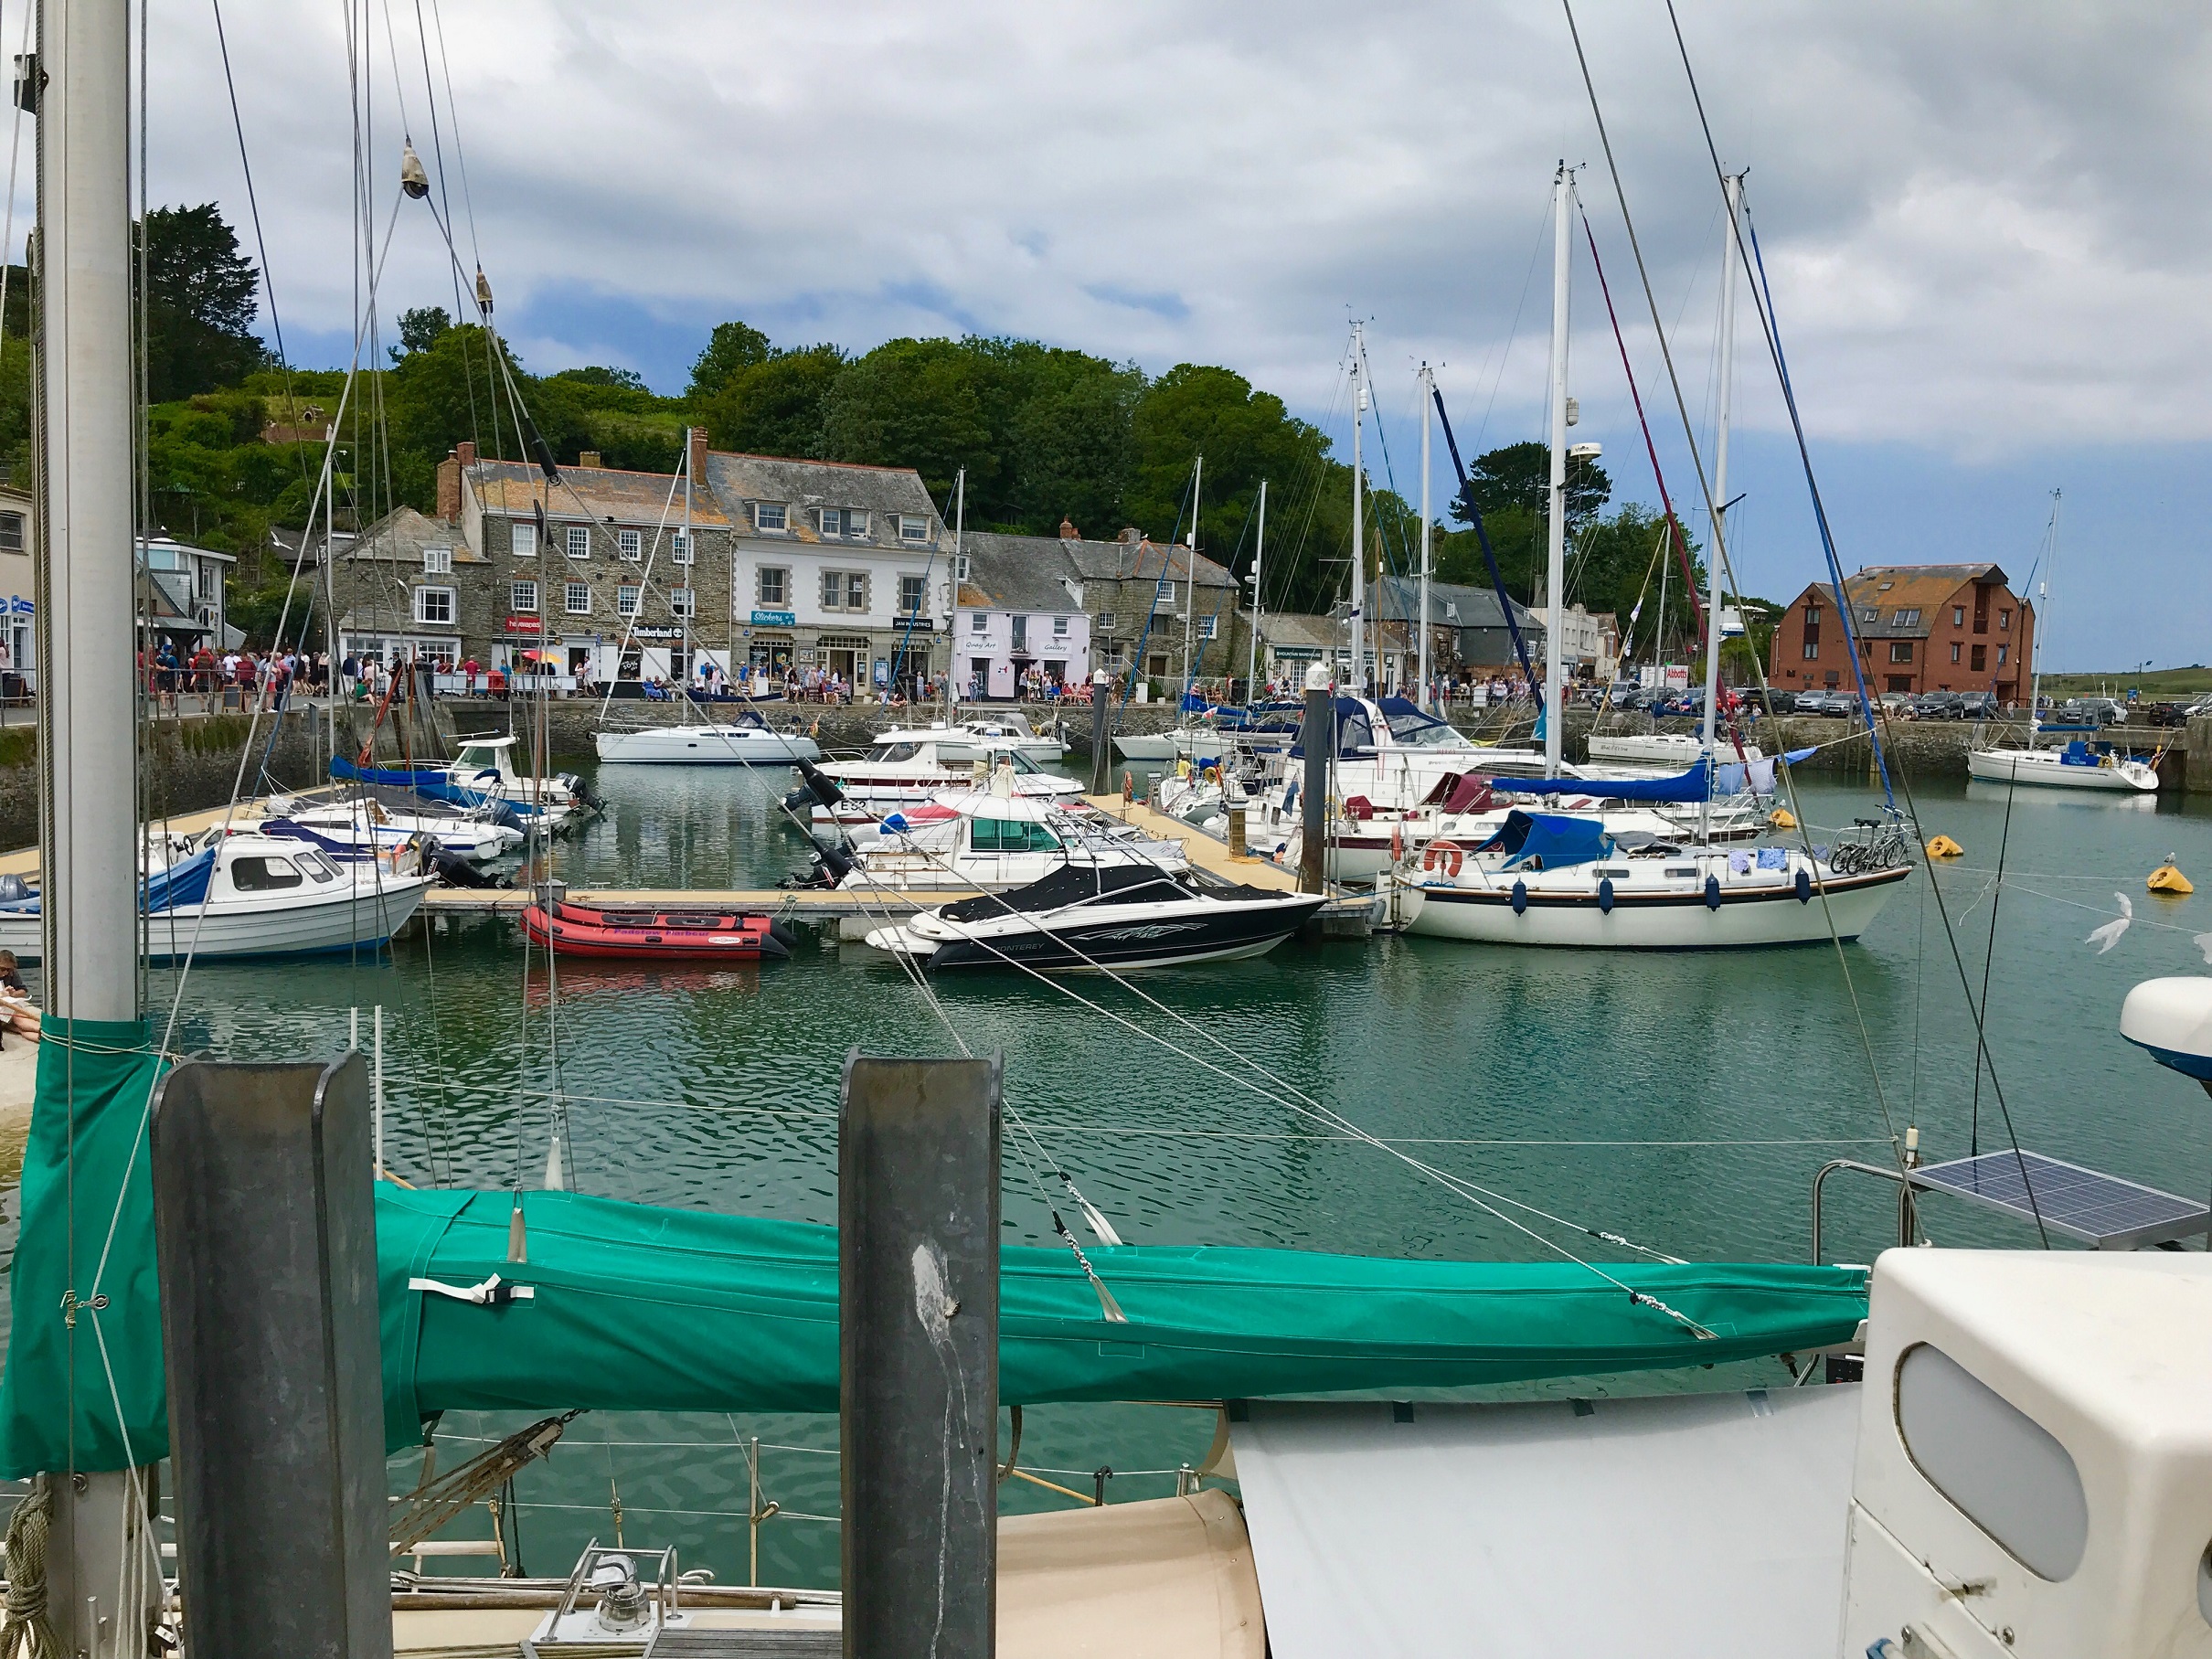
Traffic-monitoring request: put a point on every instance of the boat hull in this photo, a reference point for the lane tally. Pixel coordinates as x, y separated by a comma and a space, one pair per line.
652, 936
705, 746
2043, 770
1748, 917
314, 926
1157, 746
1203, 932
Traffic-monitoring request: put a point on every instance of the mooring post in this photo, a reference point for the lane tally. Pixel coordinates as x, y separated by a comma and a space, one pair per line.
1101, 748
1318, 737
918, 1146
265, 1230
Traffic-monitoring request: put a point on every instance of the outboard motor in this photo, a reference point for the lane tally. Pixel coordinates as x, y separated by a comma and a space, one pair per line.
582, 791
456, 871
832, 864
822, 788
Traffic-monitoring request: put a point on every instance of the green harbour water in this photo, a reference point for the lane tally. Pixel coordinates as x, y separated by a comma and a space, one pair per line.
1681, 1101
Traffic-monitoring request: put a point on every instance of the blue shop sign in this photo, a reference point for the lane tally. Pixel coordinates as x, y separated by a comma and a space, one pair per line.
775, 619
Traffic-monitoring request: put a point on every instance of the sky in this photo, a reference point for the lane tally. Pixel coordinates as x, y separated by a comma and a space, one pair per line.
1976, 220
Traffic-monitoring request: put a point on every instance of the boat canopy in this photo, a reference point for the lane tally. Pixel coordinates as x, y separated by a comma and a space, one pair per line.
636, 1307
1690, 785
1074, 883
1556, 839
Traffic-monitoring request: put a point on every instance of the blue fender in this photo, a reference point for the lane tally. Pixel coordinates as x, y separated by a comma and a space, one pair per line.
1805, 886
1712, 892
1605, 895
1520, 898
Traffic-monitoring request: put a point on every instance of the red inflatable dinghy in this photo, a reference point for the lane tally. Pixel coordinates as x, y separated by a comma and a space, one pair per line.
641, 931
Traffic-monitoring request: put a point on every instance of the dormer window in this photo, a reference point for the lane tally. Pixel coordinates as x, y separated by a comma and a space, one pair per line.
855, 521
769, 516
913, 527
833, 521
437, 562
1905, 619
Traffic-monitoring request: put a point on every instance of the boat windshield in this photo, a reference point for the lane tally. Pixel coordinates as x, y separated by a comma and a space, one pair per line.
478, 758
1011, 836
1413, 730
894, 751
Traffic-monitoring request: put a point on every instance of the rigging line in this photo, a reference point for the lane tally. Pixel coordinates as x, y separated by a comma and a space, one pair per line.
15, 152
1513, 331
1755, 272
429, 97
1989, 954
1721, 553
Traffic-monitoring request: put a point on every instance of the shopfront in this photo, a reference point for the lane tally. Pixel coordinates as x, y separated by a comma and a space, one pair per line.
844, 655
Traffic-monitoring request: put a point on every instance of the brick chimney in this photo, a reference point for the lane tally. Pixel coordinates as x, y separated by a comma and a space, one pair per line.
1068, 530
697, 435
449, 484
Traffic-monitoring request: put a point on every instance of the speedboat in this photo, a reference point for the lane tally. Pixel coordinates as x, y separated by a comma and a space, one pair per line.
749, 740
2078, 766
989, 842
1551, 878
1086, 917
982, 738
895, 775
248, 894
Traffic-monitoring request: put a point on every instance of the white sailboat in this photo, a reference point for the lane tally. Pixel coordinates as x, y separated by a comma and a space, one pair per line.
2077, 766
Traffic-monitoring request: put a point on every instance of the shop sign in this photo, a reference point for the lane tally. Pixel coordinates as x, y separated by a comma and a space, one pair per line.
526, 624
656, 633
775, 619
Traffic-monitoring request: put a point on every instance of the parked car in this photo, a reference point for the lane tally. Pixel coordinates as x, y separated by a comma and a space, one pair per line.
1624, 694
2101, 711
1976, 705
1825, 703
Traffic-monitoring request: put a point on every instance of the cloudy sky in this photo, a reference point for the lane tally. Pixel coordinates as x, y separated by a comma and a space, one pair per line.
1981, 223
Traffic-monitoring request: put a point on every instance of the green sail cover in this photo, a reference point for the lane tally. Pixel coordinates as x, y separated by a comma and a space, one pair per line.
57, 1398
647, 1309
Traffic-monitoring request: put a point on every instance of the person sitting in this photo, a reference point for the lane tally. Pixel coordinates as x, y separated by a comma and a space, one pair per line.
18, 1012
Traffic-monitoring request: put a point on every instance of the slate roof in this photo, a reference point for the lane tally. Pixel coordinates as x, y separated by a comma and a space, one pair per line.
1451, 604
1025, 573
737, 480
1886, 589
401, 535
629, 498
1141, 561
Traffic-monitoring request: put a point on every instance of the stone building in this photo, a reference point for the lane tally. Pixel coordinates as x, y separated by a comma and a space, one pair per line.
1919, 628
1138, 593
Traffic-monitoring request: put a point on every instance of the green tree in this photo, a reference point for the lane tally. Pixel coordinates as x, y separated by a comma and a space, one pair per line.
1068, 450
914, 403
732, 348
199, 304
774, 407
420, 329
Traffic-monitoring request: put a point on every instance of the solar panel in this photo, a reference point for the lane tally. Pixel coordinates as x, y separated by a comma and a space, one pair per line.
2101, 1211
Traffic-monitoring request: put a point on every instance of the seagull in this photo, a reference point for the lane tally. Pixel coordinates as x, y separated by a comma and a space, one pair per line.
2107, 936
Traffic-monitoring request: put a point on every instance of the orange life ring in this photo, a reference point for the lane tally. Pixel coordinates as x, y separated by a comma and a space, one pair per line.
1442, 856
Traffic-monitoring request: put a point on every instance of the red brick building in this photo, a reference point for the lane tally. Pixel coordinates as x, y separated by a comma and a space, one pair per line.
1919, 628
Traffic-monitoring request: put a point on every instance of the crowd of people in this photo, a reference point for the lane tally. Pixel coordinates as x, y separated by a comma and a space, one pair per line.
268, 678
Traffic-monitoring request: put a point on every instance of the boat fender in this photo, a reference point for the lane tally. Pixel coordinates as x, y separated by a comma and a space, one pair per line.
1520, 898
1712, 892
1605, 896
1782, 817
1805, 886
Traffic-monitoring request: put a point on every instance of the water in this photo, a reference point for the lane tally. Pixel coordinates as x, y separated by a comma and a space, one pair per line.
1681, 1101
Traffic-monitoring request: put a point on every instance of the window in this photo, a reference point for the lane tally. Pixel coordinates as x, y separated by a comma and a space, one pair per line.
913, 595
774, 586
832, 520
833, 589
1980, 658
2005, 617
1905, 619
1955, 651
437, 562
2002, 651
1106, 621
1898, 682
1167, 593
1812, 649
768, 515
627, 598
680, 549
630, 544
1901, 651
1206, 626
1059, 627
855, 521
434, 605
11, 532
522, 597
913, 527
855, 590
1957, 616
263, 875
1812, 616
1010, 835
579, 541
1870, 614
579, 599
978, 622
680, 601
525, 540
960, 566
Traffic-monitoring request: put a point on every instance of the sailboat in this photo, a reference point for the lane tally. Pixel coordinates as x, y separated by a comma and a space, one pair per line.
2076, 765
1548, 878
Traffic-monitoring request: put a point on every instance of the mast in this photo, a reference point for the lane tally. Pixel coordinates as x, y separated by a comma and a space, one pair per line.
2034, 655
1721, 491
1555, 567
1428, 415
691, 565
960, 523
1359, 549
1190, 581
1251, 652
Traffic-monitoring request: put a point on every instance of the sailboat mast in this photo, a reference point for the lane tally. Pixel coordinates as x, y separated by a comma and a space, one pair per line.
1252, 648
1554, 565
959, 524
1359, 549
690, 568
1720, 456
1190, 579
2035, 654
1428, 418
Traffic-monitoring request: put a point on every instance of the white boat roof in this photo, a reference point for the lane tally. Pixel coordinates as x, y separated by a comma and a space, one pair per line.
982, 803
485, 742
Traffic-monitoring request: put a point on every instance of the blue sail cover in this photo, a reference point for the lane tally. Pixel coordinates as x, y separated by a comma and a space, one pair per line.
1557, 838
1690, 786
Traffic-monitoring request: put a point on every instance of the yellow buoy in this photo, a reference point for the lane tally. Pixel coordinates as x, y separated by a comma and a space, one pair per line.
2166, 878
1782, 817
1943, 846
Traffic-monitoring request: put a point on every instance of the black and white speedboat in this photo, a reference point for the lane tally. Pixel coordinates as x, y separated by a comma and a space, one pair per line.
1083, 916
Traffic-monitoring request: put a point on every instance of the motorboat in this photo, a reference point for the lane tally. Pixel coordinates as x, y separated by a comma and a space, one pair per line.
477, 833
989, 842
983, 738
486, 767
749, 740
649, 932
895, 775
1085, 917
1553, 878
2078, 766
1670, 748
243, 893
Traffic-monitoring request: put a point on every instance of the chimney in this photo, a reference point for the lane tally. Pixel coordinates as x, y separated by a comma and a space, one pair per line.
1068, 530
466, 449
697, 435
589, 458
449, 485
1132, 535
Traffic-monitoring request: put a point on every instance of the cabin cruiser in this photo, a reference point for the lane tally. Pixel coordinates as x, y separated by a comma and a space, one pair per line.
987, 841
485, 767
242, 893
478, 833
912, 773
983, 738
749, 740
1087, 917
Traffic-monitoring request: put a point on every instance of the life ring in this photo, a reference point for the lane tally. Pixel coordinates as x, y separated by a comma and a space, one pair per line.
1442, 856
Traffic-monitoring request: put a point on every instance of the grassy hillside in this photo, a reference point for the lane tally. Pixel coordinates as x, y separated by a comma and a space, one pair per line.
2161, 685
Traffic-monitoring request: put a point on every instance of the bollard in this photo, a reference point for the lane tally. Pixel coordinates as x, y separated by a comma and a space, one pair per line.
1317, 737
1236, 833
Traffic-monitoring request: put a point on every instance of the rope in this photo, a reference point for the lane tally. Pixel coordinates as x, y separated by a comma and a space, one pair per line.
25, 1620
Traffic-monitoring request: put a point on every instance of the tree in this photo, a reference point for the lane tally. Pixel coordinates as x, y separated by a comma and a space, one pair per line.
199, 304
774, 406
613, 379
732, 348
913, 403
1069, 450
420, 329
1519, 475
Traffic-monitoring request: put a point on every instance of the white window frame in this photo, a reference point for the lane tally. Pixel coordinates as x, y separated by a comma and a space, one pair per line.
628, 599
857, 593
832, 589
1207, 627
517, 604
1107, 619
422, 597
960, 566
569, 593
827, 516
781, 600
576, 541
682, 602
917, 589
523, 539
856, 522
913, 527
437, 562
1059, 627
1166, 590
773, 516
631, 545
979, 621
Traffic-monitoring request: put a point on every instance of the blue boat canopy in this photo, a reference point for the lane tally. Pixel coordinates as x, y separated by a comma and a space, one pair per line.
1554, 839
1690, 786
